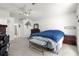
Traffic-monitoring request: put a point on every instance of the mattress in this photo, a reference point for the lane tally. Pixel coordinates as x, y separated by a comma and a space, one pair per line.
55, 35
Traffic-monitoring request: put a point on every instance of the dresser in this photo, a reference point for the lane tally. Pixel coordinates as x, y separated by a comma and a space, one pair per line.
2, 31
3, 28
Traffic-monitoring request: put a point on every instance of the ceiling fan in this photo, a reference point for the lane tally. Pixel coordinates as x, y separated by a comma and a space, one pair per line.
22, 12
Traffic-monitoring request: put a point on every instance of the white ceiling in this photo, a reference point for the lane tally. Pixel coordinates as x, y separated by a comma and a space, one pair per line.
39, 10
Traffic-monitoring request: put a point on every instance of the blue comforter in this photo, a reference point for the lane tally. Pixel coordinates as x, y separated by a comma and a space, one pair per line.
55, 35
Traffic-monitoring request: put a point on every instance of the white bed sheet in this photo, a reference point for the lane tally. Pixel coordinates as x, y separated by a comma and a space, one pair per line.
54, 45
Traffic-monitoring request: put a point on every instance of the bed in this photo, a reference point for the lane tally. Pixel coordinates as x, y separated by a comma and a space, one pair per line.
53, 37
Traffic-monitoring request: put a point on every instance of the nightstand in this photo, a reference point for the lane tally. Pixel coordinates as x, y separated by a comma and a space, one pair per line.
70, 39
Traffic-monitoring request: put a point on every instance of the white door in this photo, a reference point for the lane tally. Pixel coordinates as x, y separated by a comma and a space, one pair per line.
17, 30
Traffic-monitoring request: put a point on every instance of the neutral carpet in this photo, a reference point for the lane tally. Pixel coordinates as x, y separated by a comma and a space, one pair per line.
20, 47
